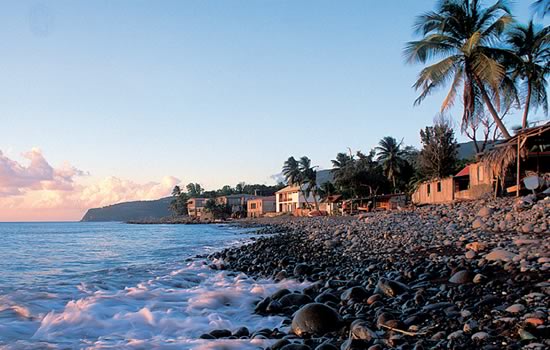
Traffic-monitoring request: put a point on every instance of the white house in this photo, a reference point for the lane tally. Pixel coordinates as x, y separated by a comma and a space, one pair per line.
290, 198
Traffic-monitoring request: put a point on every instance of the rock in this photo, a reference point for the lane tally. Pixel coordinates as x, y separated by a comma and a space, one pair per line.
476, 246
279, 294
500, 255
295, 347
391, 288
241, 332
461, 277
477, 223
315, 319
480, 337
220, 333
279, 344
470, 254
357, 293
360, 330
526, 228
470, 326
301, 269
479, 278
294, 299
515, 309
353, 344
326, 346
485, 212
455, 335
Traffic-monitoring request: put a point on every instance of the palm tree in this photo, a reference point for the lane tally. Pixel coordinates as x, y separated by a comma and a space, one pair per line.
294, 176
462, 33
532, 46
291, 171
340, 165
541, 7
391, 155
309, 176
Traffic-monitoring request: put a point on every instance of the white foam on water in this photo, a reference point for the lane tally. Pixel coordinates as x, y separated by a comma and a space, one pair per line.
167, 312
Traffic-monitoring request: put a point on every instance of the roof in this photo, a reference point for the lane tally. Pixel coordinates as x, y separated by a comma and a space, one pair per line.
332, 199
289, 189
264, 198
526, 133
464, 172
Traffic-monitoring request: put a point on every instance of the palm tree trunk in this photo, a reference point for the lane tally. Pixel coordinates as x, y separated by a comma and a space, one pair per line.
492, 109
316, 201
527, 103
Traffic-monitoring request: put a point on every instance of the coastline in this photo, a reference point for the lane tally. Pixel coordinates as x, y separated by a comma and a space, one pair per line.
461, 276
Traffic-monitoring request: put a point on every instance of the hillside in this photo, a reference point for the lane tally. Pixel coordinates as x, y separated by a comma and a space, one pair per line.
127, 211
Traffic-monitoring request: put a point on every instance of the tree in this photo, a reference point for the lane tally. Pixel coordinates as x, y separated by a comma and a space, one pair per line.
391, 156
293, 175
309, 179
358, 176
218, 211
532, 47
463, 33
240, 187
178, 205
438, 156
326, 190
541, 7
194, 189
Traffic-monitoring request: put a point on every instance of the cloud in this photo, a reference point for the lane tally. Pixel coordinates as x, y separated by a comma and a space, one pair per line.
16, 179
39, 190
114, 190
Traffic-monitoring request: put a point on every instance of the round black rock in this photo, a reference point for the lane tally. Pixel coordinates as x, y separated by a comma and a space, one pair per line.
316, 319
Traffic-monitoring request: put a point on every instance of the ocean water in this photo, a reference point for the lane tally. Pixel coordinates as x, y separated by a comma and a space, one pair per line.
120, 286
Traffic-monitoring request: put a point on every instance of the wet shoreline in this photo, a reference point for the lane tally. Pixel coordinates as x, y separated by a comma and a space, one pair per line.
462, 276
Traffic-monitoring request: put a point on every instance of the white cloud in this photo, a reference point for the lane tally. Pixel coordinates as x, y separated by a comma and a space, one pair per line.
40, 186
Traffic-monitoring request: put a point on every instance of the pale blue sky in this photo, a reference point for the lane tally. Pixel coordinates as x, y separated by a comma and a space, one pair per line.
209, 91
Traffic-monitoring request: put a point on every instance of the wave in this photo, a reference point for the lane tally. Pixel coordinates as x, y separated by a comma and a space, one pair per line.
165, 312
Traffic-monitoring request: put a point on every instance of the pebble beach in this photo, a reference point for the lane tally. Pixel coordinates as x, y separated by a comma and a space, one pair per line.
467, 275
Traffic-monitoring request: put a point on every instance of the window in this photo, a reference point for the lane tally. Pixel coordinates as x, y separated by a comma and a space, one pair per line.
480, 173
428, 188
439, 187
252, 205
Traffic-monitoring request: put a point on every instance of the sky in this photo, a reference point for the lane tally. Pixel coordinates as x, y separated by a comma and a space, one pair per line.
109, 101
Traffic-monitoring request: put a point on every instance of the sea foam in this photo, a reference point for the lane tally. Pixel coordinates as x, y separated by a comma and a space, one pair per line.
166, 312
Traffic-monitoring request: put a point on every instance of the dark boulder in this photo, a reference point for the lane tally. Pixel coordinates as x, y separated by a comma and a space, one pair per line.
316, 319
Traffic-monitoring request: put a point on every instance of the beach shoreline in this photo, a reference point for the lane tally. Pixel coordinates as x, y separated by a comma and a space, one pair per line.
461, 276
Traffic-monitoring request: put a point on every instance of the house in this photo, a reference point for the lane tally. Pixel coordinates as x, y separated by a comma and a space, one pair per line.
472, 182
291, 200
258, 207
195, 207
331, 204
237, 202
391, 201
533, 146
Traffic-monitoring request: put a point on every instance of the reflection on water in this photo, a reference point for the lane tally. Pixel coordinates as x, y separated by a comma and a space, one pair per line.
112, 285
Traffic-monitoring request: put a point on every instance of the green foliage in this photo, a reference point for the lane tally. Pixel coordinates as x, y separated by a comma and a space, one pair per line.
438, 156
541, 7
530, 70
358, 176
194, 190
178, 205
393, 159
300, 173
465, 37
218, 211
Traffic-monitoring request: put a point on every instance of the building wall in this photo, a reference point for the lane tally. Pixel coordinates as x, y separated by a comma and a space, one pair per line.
258, 207
288, 202
436, 194
480, 175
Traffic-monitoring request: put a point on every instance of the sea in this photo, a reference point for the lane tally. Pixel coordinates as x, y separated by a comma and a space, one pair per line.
120, 286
